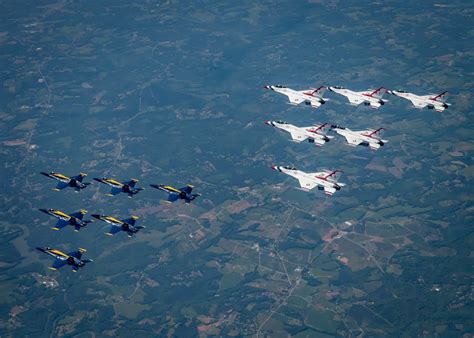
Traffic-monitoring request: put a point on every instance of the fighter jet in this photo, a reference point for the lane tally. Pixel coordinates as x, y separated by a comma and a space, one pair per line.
372, 98
127, 224
118, 187
432, 101
64, 181
74, 219
367, 138
311, 97
174, 194
314, 134
73, 258
324, 180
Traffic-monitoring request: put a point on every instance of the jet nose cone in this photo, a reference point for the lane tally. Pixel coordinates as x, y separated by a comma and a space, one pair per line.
267, 87
331, 89
269, 123
97, 179
96, 216
44, 210
274, 167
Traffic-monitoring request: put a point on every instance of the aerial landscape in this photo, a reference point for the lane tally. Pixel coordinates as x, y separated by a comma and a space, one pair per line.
137, 145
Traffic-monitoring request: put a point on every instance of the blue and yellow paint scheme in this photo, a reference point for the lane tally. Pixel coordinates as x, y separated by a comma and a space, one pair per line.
65, 181
127, 225
75, 219
118, 187
174, 194
73, 258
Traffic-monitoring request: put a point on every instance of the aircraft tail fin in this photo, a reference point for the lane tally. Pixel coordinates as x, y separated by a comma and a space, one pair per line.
440, 97
378, 93
319, 92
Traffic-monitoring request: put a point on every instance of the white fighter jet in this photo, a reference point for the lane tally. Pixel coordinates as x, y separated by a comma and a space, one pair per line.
324, 180
311, 97
372, 98
314, 134
432, 101
369, 138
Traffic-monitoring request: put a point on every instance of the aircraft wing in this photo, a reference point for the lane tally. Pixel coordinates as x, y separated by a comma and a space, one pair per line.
77, 254
78, 214
79, 177
294, 99
58, 263
172, 197
319, 142
187, 189
329, 190
306, 183
354, 100
353, 141
375, 105
115, 191
61, 186
130, 220
297, 136
418, 104
113, 230
60, 224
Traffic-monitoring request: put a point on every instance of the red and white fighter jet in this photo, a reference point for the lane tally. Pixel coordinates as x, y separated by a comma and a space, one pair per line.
325, 180
369, 138
372, 98
432, 101
314, 134
311, 97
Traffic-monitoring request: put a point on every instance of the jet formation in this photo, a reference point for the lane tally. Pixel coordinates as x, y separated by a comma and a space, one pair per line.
76, 219
328, 180
314, 97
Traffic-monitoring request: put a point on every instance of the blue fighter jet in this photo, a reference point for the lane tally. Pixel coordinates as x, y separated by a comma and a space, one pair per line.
118, 187
174, 194
65, 181
127, 225
73, 258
